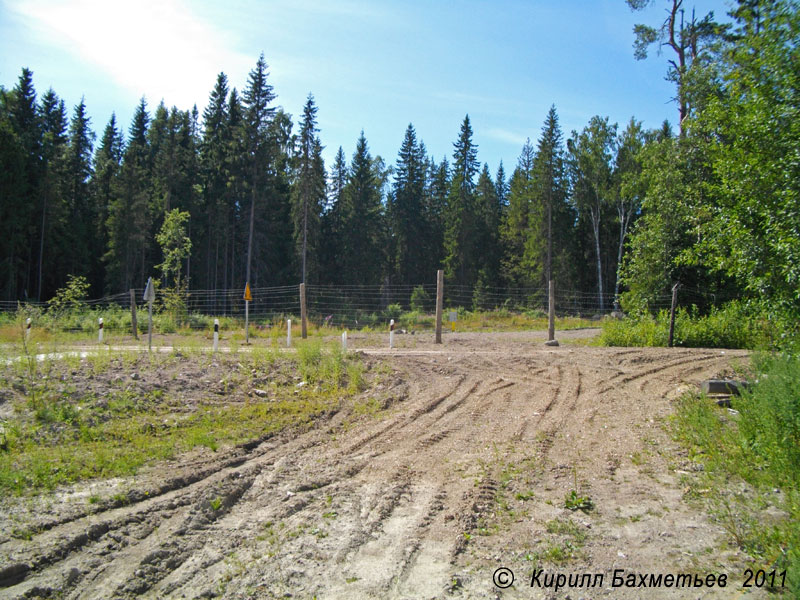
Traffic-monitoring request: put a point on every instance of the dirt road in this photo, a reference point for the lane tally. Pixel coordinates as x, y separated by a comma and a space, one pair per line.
465, 471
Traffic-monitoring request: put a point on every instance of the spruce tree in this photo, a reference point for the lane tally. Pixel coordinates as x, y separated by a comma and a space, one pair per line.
488, 213
516, 233
130, 219
257, 118
406, 212
362, 221
308, 192
53, 231
332, 241
12, 191
84, 251
214, 177
107, 161
460, 218
25, 123
551, 194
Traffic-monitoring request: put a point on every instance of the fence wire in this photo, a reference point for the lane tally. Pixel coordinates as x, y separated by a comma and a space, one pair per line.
358, 306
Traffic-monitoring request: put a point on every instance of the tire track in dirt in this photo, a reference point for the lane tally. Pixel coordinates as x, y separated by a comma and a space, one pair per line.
390, 510
627, 377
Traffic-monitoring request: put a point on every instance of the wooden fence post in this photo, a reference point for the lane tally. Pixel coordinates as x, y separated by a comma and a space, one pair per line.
439, 303
672, 313
303, 316
134, 325
551, 311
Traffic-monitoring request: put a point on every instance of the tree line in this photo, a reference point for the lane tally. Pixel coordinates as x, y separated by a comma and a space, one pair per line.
623, 211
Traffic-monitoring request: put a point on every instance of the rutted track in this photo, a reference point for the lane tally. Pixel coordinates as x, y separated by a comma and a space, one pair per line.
405, 504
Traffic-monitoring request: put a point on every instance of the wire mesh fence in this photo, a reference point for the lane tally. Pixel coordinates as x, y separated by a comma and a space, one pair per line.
369, 305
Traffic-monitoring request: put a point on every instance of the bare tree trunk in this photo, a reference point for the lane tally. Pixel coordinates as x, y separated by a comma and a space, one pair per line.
305, 237
41, 248
622, 228
596, 228
250, 237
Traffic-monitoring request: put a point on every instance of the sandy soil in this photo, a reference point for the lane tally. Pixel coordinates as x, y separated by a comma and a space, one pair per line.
465, 472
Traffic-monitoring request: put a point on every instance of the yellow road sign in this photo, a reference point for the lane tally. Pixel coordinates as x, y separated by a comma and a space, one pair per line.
248, 297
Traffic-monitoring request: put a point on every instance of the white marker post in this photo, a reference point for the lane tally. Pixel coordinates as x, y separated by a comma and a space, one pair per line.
344, 341
216, 334
391, 333
149, 297
288, 333
28, 330
100, 330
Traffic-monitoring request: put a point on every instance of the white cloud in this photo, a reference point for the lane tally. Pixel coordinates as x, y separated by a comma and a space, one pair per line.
503, 135
156, 48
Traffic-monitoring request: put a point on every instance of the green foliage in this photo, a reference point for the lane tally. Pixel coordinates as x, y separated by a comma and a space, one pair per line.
393, 311
71, 297
753, 124
760, 447
175, 245
420, 299
734, 325
61, 435
574, 501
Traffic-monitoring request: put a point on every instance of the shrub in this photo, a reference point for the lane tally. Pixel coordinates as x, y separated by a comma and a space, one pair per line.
420, 299
393, 311
733, 325
761, 447
71, 296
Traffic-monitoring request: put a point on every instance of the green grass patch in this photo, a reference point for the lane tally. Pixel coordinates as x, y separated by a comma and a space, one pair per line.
733, 325
751, 459
110, 424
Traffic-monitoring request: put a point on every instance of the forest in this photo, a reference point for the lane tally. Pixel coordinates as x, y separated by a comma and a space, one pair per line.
240, 193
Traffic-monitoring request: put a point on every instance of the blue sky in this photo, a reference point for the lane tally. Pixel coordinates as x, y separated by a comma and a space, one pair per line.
371, 65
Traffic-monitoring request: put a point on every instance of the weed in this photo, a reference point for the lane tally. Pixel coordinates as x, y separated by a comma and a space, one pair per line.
573, 501
215, 503
752, 461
